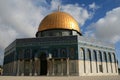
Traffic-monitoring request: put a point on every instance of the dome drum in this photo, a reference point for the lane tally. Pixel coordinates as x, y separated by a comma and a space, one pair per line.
56, 32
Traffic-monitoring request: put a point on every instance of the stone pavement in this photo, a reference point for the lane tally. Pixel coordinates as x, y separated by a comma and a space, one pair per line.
60, 78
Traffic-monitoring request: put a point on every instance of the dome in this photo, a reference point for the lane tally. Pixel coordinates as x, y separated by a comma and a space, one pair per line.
59, 20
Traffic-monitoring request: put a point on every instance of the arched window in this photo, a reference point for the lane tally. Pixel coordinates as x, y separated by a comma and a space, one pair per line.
34, 53
100, 56
95, 55
113, 57
95, 58
105, 57
72, 53
63, 53
109, 57
20, 54
81, 53
54, 53
27, 53
114, 60
88, 55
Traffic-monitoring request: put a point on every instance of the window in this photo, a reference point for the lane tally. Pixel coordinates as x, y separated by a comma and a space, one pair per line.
109, 57
113, 57
27, 53
104, 57
21, 54
72, 53
34, 53
95, 58
65, 33
100, 56
63, 53
81, 53
95, 55
88, 55
54, 53
114, 60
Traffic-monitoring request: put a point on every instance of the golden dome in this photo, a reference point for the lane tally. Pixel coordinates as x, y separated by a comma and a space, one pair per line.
59, 20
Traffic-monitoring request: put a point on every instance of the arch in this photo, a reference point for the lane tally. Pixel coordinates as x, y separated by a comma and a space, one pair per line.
43, 63
54, 53
95, 55
95, 58
43, 55
34, 53
90, 58
105, 56
88, 53
82, 56
113, 57
72, 53
105, 59
63, 53
100, 59
109, 57
100, 56
115, 62
27, 53
20, 54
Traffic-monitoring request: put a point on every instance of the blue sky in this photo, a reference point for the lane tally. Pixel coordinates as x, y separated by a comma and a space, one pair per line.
99, 19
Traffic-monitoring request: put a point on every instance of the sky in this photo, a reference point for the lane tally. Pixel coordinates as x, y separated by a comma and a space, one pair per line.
99, 19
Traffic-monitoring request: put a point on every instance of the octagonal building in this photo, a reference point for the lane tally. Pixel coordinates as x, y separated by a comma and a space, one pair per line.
59, 49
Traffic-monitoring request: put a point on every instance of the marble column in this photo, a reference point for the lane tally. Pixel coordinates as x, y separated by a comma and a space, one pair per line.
48, 67
18, 68
22, 68
31, 68
35, 66
14, 68
53, 67
61, 66
67, 66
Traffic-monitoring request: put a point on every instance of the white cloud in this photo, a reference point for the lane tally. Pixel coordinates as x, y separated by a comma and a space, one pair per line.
108, 27
93, 6
55, 4
21, 18
79, 13
18, 18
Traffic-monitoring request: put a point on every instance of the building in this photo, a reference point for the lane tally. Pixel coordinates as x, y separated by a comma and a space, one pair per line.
59, 49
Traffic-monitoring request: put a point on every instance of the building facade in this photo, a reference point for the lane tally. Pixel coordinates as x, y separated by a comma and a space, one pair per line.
59, 49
